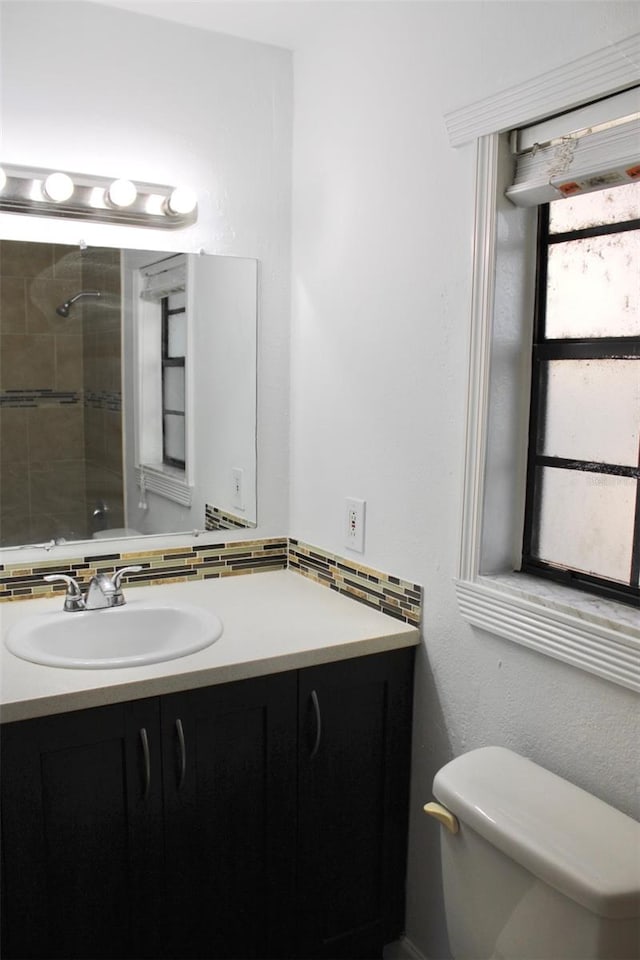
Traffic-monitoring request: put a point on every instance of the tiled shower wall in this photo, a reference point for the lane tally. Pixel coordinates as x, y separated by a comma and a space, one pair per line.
102, 364
51, 446
42, 480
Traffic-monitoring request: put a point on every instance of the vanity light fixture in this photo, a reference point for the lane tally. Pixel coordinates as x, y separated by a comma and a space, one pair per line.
80, 196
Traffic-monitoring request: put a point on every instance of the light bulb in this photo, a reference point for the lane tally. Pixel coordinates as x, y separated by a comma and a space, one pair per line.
58, 187
3, 179
122, 193
182, 200
155, 204
96, 198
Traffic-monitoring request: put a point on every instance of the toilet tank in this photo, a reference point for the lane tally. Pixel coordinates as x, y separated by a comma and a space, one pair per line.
539, 867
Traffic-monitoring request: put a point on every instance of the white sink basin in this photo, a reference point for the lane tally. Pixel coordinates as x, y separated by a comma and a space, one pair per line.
135, 634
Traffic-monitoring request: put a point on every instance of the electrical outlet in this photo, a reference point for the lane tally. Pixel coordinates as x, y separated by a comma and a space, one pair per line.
237, 487
354, 528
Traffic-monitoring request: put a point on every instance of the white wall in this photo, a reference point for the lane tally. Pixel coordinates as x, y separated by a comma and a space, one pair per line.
98, 90
382, 244
381, 278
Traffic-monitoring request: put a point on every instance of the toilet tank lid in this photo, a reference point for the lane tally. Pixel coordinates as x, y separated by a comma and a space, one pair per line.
563, 835
114, 533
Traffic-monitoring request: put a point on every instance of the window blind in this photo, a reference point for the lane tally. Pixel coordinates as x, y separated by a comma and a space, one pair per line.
164, 278
591, 148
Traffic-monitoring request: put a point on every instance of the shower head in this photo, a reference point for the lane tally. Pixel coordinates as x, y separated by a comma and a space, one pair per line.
63, 309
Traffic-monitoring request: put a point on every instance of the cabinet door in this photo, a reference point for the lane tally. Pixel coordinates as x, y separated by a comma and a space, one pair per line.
81, 808
355, 730
229, 774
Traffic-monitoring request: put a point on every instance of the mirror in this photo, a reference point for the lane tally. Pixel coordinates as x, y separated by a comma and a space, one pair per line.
127, 393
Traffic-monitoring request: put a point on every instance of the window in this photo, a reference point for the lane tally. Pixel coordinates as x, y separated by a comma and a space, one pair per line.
582, 519
174, 343
164, 454
599, 636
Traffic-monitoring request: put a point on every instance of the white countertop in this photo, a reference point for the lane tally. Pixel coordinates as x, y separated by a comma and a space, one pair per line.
273, 621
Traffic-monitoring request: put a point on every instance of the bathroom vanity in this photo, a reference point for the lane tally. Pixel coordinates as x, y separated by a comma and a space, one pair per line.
249, 800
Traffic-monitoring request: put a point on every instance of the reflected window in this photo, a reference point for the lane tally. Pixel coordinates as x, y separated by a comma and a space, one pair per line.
174, 344
162, 326
582, 521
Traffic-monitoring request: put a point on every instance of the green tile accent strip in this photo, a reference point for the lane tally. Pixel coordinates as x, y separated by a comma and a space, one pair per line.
37, 398
382, 591
398, 598
98, 400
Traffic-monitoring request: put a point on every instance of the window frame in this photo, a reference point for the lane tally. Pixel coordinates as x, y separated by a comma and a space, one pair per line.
598, 636
545, 349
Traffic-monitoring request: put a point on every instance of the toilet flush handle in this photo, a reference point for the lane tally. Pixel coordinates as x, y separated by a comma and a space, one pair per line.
445, 816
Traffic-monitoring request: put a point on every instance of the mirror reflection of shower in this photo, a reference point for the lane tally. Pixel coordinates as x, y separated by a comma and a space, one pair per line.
72, 392
63, 309
61, 391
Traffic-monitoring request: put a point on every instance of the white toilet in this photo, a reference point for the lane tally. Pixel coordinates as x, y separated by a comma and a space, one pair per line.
534, 868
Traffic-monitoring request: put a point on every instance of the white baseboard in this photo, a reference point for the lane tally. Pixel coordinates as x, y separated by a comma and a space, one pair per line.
402, 949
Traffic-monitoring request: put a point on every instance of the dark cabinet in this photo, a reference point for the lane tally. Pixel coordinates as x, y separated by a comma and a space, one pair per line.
229, 760
81, 833
264, 818
353, 763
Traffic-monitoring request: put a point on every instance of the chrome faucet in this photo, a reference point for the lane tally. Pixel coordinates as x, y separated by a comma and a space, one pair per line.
104, 591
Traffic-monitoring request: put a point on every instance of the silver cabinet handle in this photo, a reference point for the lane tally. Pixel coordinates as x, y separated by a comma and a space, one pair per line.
147, 762
182, 754
316, 708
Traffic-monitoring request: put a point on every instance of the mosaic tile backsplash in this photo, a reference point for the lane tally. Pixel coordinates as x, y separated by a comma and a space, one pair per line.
216, 519
401, 599
169, 565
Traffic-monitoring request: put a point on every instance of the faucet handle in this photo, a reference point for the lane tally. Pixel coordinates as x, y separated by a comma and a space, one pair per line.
119, 574
73, 598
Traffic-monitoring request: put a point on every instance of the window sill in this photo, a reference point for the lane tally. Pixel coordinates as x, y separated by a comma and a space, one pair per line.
166, 482
593, 634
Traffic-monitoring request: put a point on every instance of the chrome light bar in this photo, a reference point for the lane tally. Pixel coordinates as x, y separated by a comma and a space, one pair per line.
81, 196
